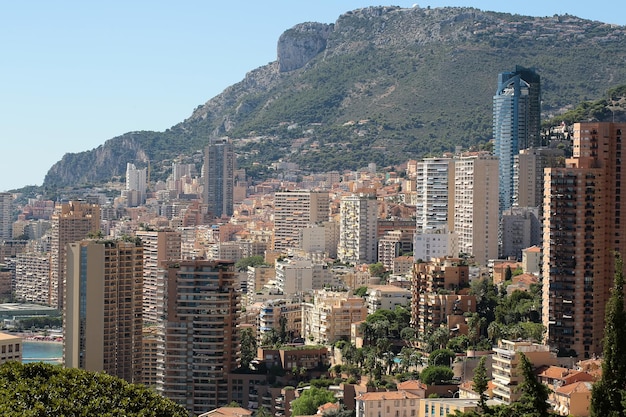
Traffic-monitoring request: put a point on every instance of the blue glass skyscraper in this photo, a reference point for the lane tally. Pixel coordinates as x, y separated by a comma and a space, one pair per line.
516, 124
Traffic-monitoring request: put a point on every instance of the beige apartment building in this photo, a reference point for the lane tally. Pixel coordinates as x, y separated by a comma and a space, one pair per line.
10, 348
473, 205
389, 403
280, 315
102, 325
504, 370
258, 277
330, 316
294, 211
71, 222
583, 226
159, 246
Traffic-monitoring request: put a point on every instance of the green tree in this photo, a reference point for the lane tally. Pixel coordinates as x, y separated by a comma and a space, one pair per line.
248, 347
377, 269
263, 412
361, 291
310, 399
480, 383
535, 395
607, 395
38, 389
436, 374
441, 357
244, 263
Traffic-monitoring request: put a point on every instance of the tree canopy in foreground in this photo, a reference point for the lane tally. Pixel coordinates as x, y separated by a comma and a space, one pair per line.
38, 389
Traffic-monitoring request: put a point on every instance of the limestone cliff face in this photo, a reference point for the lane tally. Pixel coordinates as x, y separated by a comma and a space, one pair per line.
98, 165
300, 44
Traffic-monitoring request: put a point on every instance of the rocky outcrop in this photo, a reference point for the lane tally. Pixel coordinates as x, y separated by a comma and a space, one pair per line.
424, 76
300, 44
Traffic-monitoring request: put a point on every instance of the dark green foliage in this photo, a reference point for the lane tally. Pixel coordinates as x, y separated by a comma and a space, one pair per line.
607, 395
361, 291
308, 401
441, 357
244, 263
377, 269
534, 397
459, 344
436, 374
39, 389
480, 383
248, 347
41, 322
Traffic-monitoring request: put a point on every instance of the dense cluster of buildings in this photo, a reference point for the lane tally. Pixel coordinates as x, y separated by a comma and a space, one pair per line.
148, 288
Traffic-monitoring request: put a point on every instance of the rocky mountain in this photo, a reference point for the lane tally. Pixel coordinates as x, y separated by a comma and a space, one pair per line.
381, 84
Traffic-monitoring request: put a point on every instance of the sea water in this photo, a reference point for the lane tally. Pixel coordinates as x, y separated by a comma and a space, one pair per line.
48, 352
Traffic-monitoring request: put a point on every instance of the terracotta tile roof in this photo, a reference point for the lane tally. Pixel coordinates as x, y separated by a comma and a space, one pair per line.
554, 372
411, 384
386, 395
535, 249
327, 407
525, 279
583, 386
228, 412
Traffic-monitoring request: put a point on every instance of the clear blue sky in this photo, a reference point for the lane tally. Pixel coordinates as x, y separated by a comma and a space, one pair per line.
74, 74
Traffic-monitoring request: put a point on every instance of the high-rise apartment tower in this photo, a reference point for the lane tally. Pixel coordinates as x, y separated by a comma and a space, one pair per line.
200, 336
102, 324
583, 227
71, 222
219, 168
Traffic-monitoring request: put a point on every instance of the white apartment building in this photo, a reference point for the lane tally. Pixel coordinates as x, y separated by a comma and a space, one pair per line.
437, 243
475, 208
433, 183
299, 275
506, 376
357, 228
387, 297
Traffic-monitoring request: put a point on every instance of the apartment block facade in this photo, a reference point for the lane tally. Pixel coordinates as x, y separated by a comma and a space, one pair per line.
219, 182
102, 319
358, 228
200, 339
294, 211
159, 246
71, 222
32, 277
582, 229
330, 316
474, 216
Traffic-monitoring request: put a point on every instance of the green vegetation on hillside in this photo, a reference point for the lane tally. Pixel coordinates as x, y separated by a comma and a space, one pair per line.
393, 84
